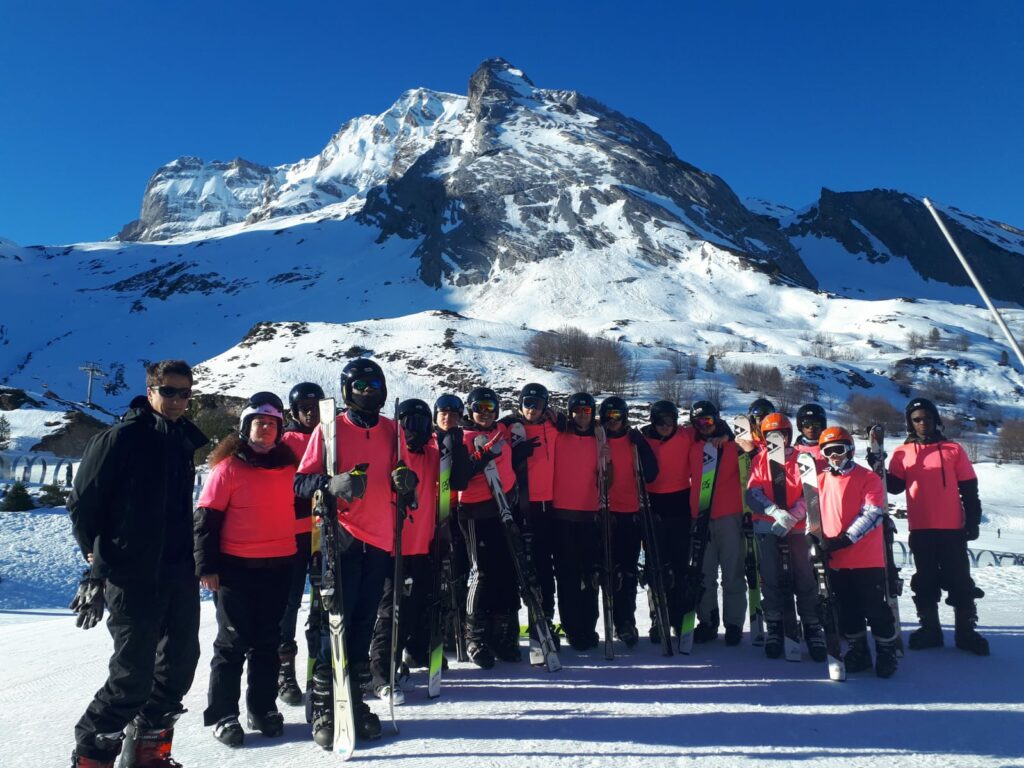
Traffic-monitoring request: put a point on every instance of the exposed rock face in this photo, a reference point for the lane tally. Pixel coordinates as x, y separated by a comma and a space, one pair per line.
884, 224
71, 439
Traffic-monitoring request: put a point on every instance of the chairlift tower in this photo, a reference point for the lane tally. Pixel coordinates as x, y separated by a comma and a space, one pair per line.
94, 371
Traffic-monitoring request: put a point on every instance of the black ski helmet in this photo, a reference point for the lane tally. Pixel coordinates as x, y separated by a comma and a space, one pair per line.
922, 404
664, 413
811, 412
372, 399
613, 403
537, 393
761, 408
417, 423
305, 390
482, 394
703, 408
579, 399
449, 402
261, 404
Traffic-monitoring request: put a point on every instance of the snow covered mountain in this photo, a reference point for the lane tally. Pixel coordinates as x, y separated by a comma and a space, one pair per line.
520, 209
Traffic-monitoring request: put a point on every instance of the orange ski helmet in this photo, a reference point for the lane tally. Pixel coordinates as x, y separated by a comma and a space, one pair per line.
835, 435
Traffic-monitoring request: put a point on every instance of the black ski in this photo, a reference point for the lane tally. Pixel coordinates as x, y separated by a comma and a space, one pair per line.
741, 429
652, 558
403, 504
777, 468
529, 589
893, 580
604, 517
828, 605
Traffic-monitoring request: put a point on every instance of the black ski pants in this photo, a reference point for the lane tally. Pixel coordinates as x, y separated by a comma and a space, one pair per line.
541, 531
625, 557
413, 617
861, 596
250, 603
296, 587
493, 588
578, 563
672, 526
156, 648
942, 563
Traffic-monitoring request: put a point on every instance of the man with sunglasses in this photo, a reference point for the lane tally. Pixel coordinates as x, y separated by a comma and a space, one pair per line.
578, 561
810, 421
131, 513
536, 469
624, 504
944, 513
725, 548
670, 502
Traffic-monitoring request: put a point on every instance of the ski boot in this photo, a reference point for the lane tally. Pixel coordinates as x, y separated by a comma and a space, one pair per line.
706, 631
966, 636
628, 635
147, 742
367, 723
477, 649
228, 731
270, 724
288, 689
858, 657
505, 637
929, 634
885, 657
81, 761
733, 634
586, 641
322, 703
814, 636
383, 692
773, 641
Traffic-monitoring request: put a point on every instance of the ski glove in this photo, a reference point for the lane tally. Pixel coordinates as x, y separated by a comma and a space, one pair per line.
971, 531
403, 480
349, 485
834, 544
88, 601
784, 521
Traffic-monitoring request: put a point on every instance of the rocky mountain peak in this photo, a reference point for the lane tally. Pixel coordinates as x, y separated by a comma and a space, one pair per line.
496, 82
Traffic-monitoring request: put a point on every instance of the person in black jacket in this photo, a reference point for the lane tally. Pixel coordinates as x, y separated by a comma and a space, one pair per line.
131, 513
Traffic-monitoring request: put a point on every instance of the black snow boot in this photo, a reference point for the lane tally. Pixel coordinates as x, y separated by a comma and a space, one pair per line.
367, 723
773, 642
966, 636
733, 634
707, 631
885, 657
477, 648
814, 636
929, 634
322, 706
857, 657
287, 686
505, 637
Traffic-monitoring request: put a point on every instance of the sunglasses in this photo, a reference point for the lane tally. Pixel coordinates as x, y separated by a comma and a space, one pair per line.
533, 402
704, 421
613, 415
170, 392
484, 406
363, 385
835, 451
586, 410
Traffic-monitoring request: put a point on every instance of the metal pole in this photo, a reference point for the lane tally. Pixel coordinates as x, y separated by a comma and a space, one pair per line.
977, 283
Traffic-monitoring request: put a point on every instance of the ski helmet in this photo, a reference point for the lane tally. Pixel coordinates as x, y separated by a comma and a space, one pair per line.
449, 402
479, 397
922, 404
261, 404
581, 400
777, 422
416, 421
808, 413
831, 438
306, 390
612, 404
703, 409
761, 408
534, 396
664, 413
363, 387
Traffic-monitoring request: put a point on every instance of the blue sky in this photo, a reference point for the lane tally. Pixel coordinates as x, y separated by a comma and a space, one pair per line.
778, 98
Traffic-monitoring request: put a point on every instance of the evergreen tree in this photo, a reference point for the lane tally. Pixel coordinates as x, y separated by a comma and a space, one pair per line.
17, 499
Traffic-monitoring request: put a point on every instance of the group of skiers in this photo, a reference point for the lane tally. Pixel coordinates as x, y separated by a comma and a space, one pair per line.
572, 488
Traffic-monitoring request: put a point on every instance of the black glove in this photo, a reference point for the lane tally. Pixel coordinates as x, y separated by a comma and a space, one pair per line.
971, 531
403, 479
349, 485
88, 601
525, 449
834, 544
874, 460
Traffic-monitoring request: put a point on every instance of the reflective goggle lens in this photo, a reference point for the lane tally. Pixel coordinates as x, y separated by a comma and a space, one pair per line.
364, 385
484, 406
184, 393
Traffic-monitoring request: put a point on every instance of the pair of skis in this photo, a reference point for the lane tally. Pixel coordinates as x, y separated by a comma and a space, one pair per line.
652, 558
776, 442
693, 578
893, 581
529, 589
741, 430
604, 518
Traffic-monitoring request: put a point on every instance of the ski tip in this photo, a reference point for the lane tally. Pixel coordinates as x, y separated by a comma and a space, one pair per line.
836, 670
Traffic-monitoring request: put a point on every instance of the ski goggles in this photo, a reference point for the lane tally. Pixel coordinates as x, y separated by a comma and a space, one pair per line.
448, 403
704, 421
184, 393
365, 385
663, 420
586, 410
614, 415
835, 450
484, 406
532, 401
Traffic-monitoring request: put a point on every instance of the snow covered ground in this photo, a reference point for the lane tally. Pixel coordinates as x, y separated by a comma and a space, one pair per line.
723, 706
